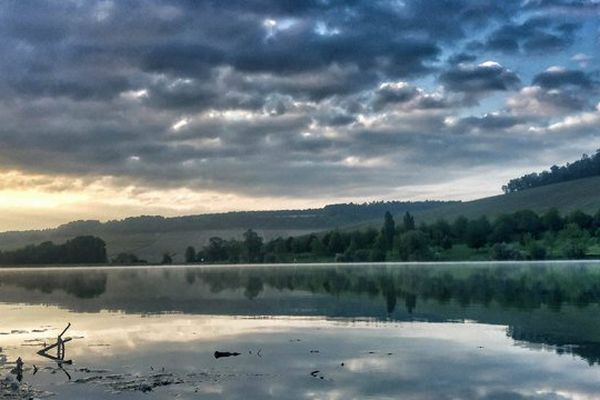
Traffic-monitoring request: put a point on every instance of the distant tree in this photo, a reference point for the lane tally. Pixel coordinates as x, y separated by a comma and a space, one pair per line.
527, 221
166, 259
581, 219
215, 250
574, 250
85, 249
317, 247
389, 229
408, 222
536, 251
585, 167
190, 254
280, 246
441, 234
503, 229
503, 251
127, 259
477, 232
414, 246
376, 255
79, 250
597, 220
336, 243
235, 251
252, 246
459, 228
552, 220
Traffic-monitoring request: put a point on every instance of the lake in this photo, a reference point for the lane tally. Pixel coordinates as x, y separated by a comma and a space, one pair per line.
336, 331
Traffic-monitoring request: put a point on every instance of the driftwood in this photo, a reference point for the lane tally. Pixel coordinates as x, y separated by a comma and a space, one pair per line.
60, 351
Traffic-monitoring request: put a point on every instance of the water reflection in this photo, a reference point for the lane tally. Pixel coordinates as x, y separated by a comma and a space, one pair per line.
408, 314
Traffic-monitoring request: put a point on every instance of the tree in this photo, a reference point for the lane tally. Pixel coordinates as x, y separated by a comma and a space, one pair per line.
503, 251
85, 249
536, 251
585, 167
127, 259
389, 229
580, 219
414, 246
441, 234
459, 228
190, 254
552, 220
527, 221
166, 259
317, 247
597, 220
215, 251
336, 243
408, 222
252, 246
503, 229
477, 232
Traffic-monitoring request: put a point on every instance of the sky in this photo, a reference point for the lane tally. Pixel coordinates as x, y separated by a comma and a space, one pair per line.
111, 109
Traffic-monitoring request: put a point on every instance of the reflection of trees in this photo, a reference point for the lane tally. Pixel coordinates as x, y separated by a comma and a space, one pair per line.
546, 304
254, 286
512, 289
509, 286
81, 284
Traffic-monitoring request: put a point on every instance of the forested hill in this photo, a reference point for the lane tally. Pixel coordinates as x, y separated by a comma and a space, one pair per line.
586, 167
151, 236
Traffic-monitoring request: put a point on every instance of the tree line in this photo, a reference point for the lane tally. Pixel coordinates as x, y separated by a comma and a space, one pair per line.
586, 167
523, 235
79, 250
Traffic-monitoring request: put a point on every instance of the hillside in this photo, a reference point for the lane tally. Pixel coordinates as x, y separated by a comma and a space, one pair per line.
582, 194
150, 236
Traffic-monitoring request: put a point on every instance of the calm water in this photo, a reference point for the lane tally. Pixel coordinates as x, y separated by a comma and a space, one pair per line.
452, 331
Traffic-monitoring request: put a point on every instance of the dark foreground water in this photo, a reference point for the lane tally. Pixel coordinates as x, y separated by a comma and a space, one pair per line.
448, 331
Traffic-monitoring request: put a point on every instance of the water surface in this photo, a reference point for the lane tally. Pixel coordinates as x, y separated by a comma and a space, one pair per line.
448, 331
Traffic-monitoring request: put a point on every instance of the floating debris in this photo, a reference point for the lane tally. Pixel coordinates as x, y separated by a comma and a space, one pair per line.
221, 354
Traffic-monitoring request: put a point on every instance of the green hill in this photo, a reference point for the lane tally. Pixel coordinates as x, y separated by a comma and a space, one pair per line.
150, 236
581, 194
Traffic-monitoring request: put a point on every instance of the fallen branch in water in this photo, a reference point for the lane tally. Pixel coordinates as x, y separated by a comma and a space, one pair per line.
60, 349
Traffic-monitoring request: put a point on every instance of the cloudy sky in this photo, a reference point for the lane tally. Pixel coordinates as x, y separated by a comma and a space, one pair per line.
117, 108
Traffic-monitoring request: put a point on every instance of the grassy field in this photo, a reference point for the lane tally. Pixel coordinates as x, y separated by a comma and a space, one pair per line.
582, 194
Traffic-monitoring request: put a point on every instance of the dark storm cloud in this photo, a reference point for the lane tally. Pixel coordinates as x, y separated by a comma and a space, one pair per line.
486, 123
461, 57
390, 94
481, 78
532, 36
558, 77
243, 95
